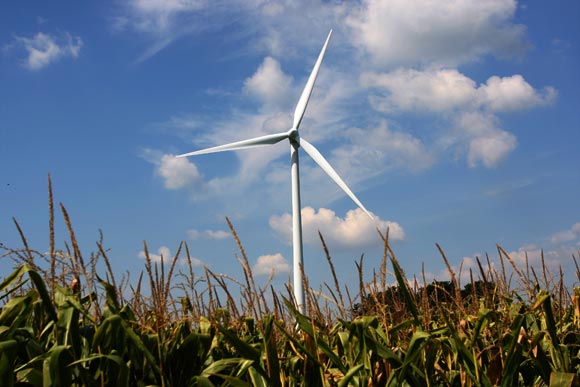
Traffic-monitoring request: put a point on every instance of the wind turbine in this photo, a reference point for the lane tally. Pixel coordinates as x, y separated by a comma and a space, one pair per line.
295, 142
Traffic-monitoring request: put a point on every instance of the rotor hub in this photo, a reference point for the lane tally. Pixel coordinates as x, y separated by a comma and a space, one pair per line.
294, 136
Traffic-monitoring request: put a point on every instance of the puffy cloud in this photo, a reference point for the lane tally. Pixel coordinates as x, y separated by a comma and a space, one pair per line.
486, 144
45, 49
355, 230
470, 109
267, 264
440, 31
208, 234
177, 172
443, 90
408, 89
163, 254
269, 84
513, 93
491, 148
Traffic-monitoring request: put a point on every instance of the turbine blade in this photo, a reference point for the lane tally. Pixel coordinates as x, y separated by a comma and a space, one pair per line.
269, 139
303, 101
326, 167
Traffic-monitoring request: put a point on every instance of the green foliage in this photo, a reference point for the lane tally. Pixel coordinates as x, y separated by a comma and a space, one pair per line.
55, 332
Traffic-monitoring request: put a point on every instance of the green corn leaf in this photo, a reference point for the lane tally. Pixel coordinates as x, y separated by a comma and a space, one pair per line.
258, 380
8, 350
344, 382
138, 343
219, 366
563, 379
306, 326
561, 363
540, 359
56, 370
299, 345
15, 276
236, 382
402, 281
106, 333
29, 376
68, 328
16, 311
272, 361
42, 291
201, 381
513, 353
123, 371
244, 349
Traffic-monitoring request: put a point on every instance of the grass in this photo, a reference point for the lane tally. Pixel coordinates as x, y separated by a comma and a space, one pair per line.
66, 320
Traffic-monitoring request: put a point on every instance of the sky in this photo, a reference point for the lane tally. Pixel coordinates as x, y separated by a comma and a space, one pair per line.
454, 122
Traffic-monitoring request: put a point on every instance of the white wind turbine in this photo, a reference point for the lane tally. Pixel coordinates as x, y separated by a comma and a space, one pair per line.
295, 142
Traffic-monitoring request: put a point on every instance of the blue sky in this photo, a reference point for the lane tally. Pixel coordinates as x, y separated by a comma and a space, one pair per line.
454, 122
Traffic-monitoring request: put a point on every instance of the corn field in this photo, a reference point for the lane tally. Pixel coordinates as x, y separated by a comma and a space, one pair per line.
67, 321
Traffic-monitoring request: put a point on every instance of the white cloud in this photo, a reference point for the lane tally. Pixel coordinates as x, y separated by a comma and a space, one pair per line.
491, 148
571, 234
534, 256
513, 93
268, 263
163, 254
45, 49
355, 230
177, 172
340, 95
164, 21
445, 32
444, 90
431, 90
159, 15
208, 234
484, 143
269, 84
471, 110
373, 151
441, 31
194, 262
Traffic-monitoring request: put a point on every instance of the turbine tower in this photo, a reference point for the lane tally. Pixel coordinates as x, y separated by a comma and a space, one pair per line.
295, 142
